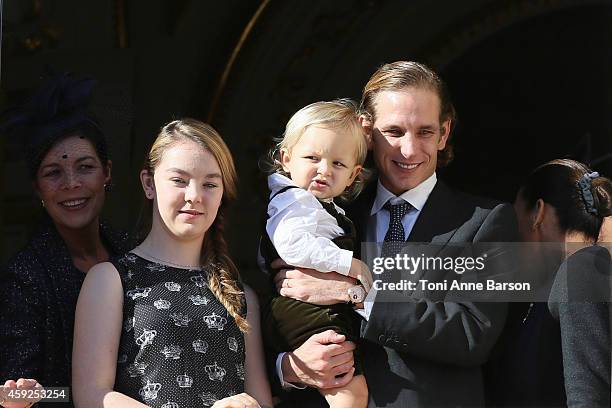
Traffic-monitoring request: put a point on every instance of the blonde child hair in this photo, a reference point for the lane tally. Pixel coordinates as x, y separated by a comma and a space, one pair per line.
339, 114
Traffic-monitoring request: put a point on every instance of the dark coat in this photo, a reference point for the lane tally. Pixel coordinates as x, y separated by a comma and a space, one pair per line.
39, 288
580, 302
426, 351
557, 354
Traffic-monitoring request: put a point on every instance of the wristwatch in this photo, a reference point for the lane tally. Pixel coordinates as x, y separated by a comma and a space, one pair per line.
356, 294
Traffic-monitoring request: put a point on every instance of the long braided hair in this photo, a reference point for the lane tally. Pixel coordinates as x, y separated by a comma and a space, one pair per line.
223, 275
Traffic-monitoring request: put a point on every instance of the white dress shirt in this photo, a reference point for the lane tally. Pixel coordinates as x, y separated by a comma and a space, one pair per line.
302, 230
376, 229
378, 222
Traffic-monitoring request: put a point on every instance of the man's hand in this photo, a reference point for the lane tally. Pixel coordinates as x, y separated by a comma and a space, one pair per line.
319, 360
312, 286
360, 271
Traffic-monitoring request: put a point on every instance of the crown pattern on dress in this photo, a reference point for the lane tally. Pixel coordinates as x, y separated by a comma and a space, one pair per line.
215, 373
184, 381
127, 260
155, 267
199, 300
181, 320
232, 344
138, 293
162, 304
122, 359
215, 321
130, 275
200, 346
199, 280
149, 391
137, 369
128, 325
172, 286
172, 352
146, 338
240, 371
208, 398
170, 404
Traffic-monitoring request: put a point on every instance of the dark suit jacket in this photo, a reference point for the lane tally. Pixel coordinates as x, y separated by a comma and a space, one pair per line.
424, 351
580, 302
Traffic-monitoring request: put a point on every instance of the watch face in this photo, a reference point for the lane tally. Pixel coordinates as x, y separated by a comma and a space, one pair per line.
356, 294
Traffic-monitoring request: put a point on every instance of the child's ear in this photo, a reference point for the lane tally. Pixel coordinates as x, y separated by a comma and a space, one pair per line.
354, 174
284, 159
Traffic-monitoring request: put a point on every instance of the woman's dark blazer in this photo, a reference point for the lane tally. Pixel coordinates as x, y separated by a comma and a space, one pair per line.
39, 288
580, 301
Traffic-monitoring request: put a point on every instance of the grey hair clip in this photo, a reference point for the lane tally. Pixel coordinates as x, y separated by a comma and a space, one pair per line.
585, 191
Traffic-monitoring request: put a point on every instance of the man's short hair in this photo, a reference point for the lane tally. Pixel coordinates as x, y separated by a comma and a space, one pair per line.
399, 75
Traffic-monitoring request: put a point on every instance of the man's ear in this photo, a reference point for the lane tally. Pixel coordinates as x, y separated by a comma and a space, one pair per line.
445, 129
366, 123
356, 170
285, 157
148, 183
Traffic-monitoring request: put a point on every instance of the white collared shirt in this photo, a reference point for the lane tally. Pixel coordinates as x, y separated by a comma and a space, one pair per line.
302, 230
378, 222
376, 229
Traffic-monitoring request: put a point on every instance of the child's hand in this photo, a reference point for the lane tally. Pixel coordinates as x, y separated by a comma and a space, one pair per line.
360, 271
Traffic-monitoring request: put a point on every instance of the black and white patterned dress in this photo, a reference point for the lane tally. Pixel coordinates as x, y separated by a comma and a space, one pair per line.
179, 346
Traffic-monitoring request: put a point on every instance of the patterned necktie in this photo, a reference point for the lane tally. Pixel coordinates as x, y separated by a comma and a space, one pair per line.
395, 237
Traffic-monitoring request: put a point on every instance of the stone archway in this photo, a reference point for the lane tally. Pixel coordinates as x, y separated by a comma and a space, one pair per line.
298, 53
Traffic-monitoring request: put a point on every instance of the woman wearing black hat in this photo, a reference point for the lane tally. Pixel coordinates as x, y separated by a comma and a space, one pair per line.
70, 172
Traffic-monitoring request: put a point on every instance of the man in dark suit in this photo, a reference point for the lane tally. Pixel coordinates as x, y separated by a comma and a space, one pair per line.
424, 350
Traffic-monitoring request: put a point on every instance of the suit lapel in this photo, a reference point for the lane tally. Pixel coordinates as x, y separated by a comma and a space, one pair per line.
439, 218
